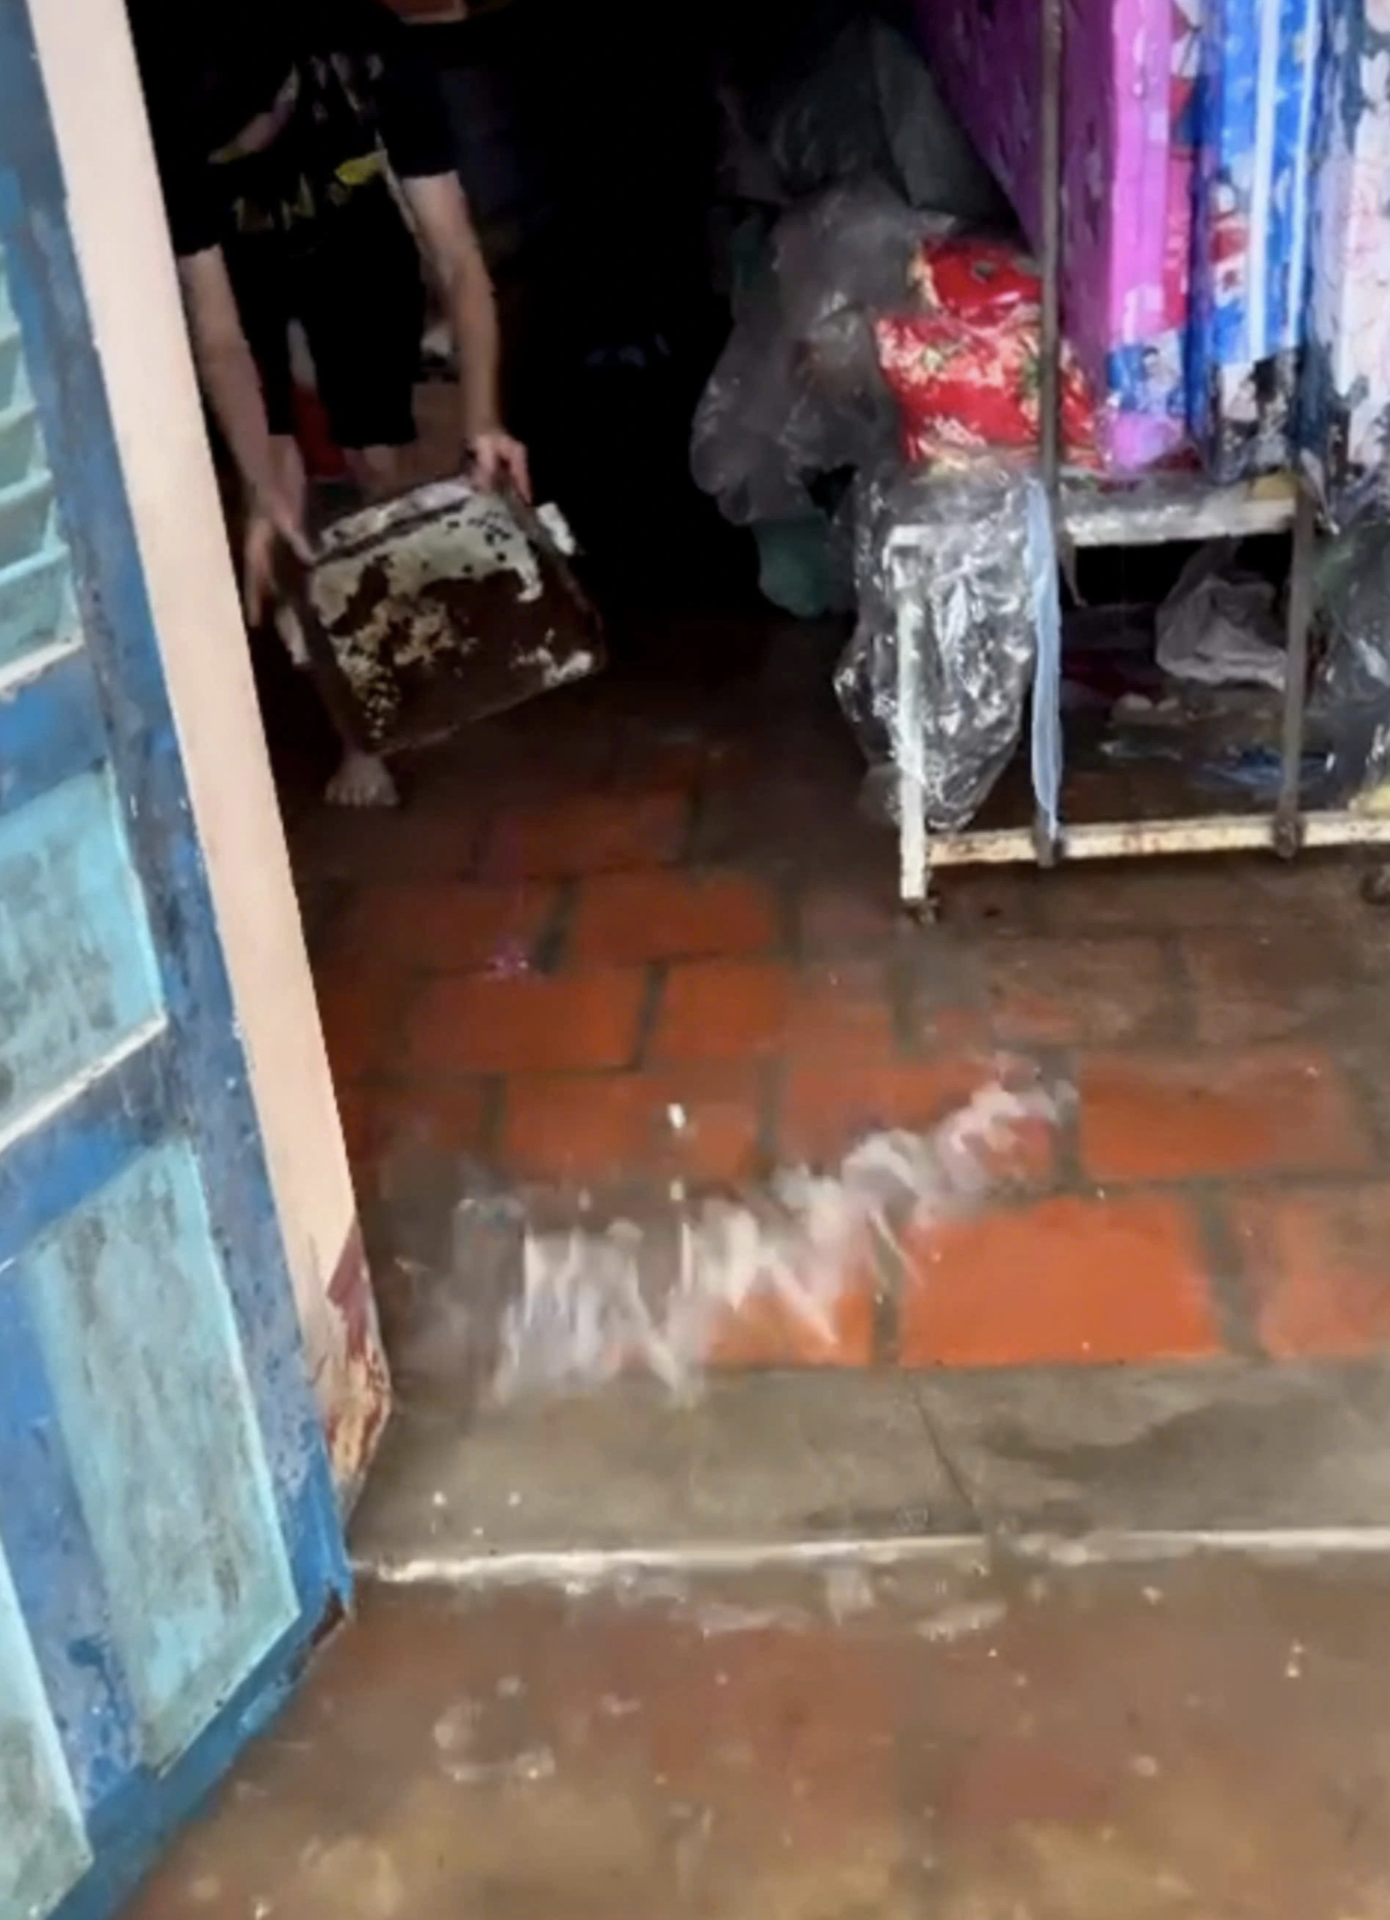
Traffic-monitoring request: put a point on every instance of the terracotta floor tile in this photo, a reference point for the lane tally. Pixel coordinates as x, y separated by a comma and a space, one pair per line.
945, 999
986, 900
587, 833
666, 914
774, 1332
501, 764
445, 926
679, 755
723, 1009
1367, 1056
1318, 1267
802, 825
849, 918
1151, 896
701, 1122
1067, 1280
1265, 985
950, 1027
827, 1107
362, 1017
841, 1009
1151, 1116
400, 843
1061, 992
471, 1024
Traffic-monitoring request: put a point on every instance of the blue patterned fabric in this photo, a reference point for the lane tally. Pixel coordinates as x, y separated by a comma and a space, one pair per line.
1255, 113
1344, 415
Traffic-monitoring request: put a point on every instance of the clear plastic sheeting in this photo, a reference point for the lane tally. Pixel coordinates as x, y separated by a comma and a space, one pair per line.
1219, 627
797, 392
1350, 700
850, 98
959, 569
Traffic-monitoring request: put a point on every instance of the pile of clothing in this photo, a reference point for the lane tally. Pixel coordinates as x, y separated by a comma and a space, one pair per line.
1226, 217
874, 418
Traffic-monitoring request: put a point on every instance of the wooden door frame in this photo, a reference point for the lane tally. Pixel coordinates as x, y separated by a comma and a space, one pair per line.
126, 269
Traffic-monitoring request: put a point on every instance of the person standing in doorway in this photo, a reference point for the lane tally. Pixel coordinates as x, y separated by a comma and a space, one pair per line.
306, 163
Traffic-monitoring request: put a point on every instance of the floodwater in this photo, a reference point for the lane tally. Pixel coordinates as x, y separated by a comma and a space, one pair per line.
1196, 1737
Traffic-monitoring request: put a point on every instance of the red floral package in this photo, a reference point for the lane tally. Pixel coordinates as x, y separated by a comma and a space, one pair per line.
982, 281
965, 368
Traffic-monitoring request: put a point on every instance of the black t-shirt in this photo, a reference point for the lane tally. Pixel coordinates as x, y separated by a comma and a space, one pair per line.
345, 76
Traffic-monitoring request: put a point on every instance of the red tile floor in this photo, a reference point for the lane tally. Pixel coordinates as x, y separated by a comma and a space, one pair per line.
641, 895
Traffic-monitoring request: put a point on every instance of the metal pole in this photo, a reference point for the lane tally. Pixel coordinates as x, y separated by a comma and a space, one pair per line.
1050, 343
1050, 382
1288, 823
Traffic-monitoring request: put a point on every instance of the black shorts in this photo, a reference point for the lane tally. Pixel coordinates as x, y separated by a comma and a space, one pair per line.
355, 287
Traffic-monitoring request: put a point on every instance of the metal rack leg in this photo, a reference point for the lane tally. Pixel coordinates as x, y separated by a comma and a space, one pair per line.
1288, 825
914, 868
914, 852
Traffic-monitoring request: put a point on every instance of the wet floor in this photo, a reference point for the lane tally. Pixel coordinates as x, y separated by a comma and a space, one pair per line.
1200, 1737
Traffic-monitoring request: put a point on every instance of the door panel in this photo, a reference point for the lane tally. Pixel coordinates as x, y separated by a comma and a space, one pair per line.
169, 1536
166, 1456
78, 977
37, 609
43, 1849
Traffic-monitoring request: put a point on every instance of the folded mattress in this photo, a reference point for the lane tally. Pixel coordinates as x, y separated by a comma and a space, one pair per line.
1344, 423
1250, 246
1124, 259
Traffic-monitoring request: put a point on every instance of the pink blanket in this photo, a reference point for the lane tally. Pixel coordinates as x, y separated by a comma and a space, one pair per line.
1126, 188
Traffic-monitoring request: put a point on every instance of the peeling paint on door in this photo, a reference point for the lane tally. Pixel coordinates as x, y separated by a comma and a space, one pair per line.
170, 1543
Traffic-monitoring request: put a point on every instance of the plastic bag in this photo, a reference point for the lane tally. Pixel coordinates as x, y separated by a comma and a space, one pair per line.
933, 156
1218, 626
965, 367
963, 564
1350, 699
797, 392
799, 567
739, 449
851, 98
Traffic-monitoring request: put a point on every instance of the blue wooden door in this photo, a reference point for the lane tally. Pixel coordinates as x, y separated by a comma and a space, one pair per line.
169, 1540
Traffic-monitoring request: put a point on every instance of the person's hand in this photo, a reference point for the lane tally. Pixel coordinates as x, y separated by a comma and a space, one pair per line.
497, 460
275, 515
267, 525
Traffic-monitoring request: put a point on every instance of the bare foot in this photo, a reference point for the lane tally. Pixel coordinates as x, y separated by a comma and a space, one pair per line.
362, 781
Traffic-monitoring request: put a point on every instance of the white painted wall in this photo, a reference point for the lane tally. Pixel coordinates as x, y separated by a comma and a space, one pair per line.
132, 295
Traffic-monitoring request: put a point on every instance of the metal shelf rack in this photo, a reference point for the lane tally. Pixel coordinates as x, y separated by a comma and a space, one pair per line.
1155, 511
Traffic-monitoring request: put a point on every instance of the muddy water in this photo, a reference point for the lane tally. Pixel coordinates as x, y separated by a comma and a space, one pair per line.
1194, 1738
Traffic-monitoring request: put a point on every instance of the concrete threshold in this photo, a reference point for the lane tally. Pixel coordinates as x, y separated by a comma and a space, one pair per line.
581, 1570
811, 1468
